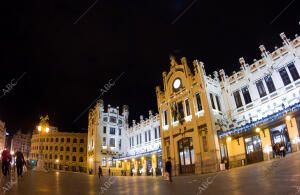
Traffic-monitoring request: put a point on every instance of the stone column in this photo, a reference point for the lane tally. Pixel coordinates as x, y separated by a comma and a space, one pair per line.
293, 133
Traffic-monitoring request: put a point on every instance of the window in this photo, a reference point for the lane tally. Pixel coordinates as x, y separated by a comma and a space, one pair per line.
104, 141
81, 141
110, 161
46, 147
155, 133
218, 103
146, 136
112, 142
81, 159
55, 156
61, 157
159, 131
105, 119
112, 131
104, 129
120, 131
56, 140
74, 158
270, 84
51, 139
181, 111
68, 140
246, 95
165, 117
293, 71
62, 140
112, 119
187, 109
130, 141
237, 99
284, 76
149, 135
140, 138
67, 157
81, 149
204, 143
51, 147
56, 148
120, 144
50, 156
212, 101
103, 162
261, 89
74, 140
137, 140
61, 148
74, 149
198, 100
68, 148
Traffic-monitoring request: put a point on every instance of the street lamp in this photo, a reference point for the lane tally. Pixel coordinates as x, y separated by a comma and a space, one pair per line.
57, 160
288, 118
229, 139
257, 130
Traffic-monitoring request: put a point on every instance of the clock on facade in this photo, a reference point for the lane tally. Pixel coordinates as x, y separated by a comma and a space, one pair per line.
177, 83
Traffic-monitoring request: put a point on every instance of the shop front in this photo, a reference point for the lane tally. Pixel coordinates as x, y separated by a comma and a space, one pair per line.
253, 146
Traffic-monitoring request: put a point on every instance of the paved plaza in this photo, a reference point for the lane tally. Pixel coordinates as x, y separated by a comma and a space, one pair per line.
273, 177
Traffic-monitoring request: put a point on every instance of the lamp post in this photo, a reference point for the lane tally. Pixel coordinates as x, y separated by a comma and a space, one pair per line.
43, 128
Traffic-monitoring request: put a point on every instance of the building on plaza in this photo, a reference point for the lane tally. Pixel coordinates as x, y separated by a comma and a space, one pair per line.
21, 142
59, 150
2, 135
113, 145
207, 122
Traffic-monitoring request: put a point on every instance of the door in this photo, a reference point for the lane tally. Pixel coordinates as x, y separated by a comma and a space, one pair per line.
254, 151
186, 155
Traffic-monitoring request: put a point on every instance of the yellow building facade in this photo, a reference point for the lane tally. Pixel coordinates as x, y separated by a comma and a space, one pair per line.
60, 150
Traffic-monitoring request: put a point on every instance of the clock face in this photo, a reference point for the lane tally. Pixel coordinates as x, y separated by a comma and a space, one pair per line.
176, 83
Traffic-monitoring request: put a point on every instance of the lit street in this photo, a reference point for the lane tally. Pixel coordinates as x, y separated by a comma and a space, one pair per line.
283, 178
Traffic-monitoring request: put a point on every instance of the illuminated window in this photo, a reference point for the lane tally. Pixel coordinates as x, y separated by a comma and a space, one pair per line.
112, 131
212, 101
103, 162
165, 118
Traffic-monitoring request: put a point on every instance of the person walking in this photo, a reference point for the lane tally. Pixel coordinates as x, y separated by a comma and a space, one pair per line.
282, 149
169, 168
99, 171
6, 158
109, 171
20, 162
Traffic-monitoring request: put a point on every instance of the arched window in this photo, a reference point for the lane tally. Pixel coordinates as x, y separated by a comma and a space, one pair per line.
61, 157
56, 139
67, 157
55, 157
74, 140
81, 141
56, 148
50, 156
81, 159
62, 139
74, 158
61, 148
81, 149
74, 149
68, 148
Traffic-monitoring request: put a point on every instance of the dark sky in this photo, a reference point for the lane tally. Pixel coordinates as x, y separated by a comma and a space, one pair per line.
67, 64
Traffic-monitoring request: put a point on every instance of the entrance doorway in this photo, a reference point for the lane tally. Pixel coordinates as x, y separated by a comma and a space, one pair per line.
149, 167
186, 155
280, 135
254, 151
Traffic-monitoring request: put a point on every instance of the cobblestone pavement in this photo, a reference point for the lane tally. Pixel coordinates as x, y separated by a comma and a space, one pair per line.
273, 177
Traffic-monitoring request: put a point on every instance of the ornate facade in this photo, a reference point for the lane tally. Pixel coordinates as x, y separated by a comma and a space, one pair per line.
210, 122
21, 142
113, 145
2, 135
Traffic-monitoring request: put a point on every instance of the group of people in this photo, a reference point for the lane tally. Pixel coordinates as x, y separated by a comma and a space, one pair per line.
6, 158
279, 149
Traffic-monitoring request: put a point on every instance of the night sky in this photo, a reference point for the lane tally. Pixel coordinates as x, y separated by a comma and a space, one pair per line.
67, 64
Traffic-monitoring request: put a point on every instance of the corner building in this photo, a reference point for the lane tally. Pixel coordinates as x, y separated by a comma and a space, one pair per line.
188, 118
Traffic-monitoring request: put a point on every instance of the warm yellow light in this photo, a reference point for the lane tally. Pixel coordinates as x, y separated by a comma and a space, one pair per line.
91, 159
12, 152
142, 158
47, 129
39, 128
288, 117
228, 139
132, 159
57, 160
125, 160
153, 156
257, 129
